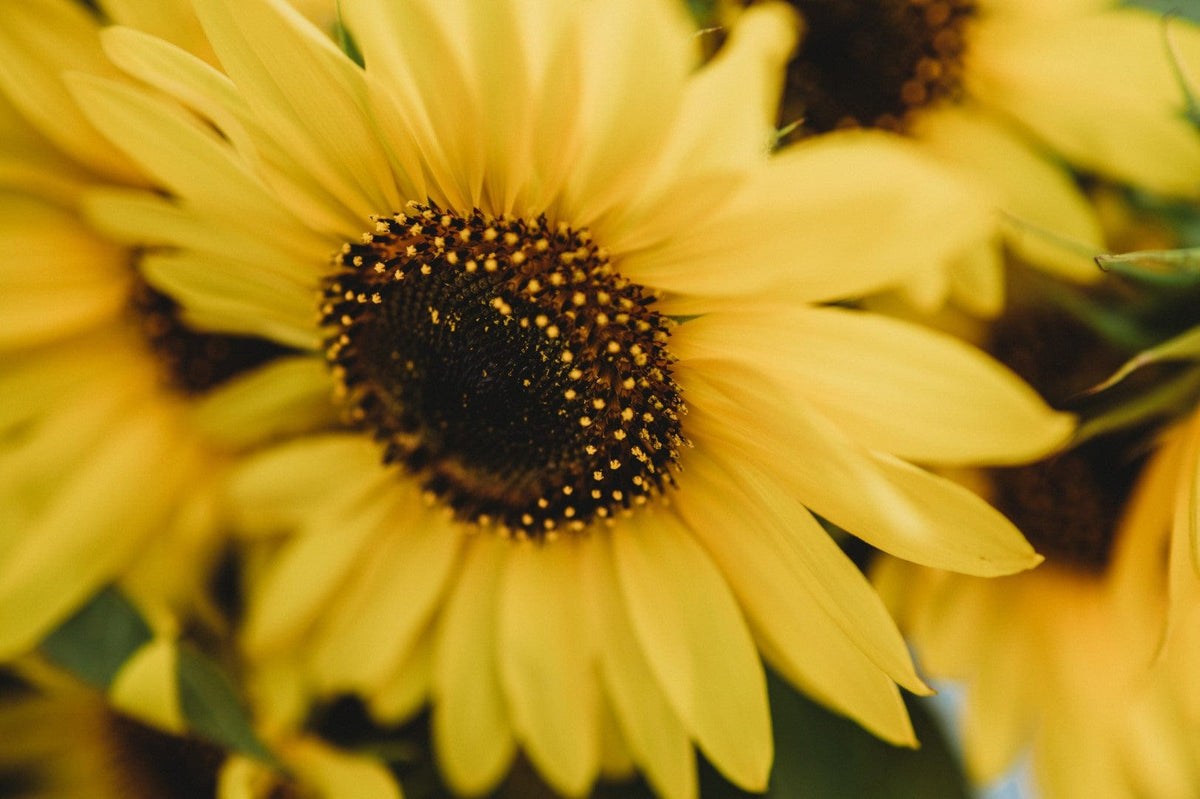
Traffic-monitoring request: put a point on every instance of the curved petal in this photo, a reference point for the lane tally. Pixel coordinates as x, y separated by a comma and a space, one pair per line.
472, 733
1050, 221
1099, 89
40, 40
892, 386
696, 642
288, 396
371, 627
886, 502
546, 667
94, 525
657, 740
797, 227
314, 97
785, 567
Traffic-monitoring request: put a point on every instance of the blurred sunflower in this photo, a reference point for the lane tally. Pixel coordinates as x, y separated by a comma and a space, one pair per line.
103, 463
1061, 662
1014, 94
573, 305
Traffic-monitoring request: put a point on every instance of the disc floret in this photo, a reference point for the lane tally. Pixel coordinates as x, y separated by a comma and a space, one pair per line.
508, 365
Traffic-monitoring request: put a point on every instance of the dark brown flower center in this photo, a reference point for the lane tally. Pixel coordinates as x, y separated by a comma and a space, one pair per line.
1067, 506
508, 364
873, 63
194, 362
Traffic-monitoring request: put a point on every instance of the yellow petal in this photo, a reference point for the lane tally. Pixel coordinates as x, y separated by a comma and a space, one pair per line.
99, 517
340, 775
635, 59
546, 668
961, 532
301, 86
1050, 221
282, 487
405, 691
1098, 89
795, 228
656, 738
795, 584
286, 397
697, 643
147, 686
309, 568
371, 626
471, 730
39, 41
891, 386
228, 295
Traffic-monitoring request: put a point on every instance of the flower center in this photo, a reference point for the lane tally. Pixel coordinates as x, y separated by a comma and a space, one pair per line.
508, 365
873, 63
194, 362
1069, 505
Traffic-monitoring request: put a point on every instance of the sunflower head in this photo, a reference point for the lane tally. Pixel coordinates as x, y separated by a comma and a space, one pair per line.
508, 364
872, 63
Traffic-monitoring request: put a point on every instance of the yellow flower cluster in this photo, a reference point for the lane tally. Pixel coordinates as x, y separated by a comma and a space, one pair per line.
506, 388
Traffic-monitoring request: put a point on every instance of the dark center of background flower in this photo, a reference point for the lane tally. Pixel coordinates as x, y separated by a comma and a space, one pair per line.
872, 63
507, 364
150, 763
194, 362
1069, 505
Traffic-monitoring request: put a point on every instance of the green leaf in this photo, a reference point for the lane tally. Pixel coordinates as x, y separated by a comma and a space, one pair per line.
345, 40
1162, 268
213, 709
95, 642
1184, 347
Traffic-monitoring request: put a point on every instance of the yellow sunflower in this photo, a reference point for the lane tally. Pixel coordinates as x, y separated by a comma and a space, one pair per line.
1013, 94
103, 459
1063, 662
573, 305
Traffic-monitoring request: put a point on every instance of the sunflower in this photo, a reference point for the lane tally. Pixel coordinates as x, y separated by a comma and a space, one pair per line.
573, 307
1014, 95
103, 458
1063, 662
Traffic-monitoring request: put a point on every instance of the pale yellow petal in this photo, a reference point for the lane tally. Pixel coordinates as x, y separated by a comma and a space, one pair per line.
1049, 220
39, 41
696, 642
227, 295
796, 586
976, 279
404, 692
172, 21
370, 627
340, 775
962, 533
309, 569
546, 668
998, 722
657, 740
891, 386
300, 85
635, 59
282, 487
1099, 89
796, 228
96, 523
286, 397
884, 501
186, 157
471, 729
147, 686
